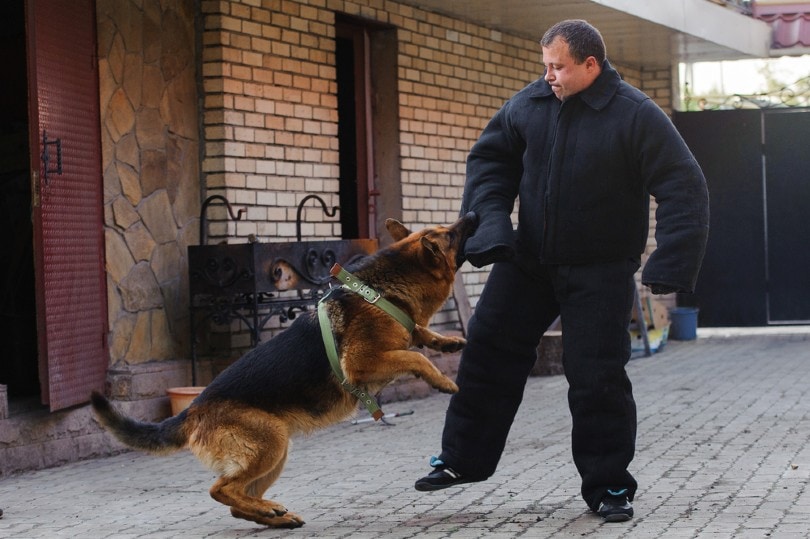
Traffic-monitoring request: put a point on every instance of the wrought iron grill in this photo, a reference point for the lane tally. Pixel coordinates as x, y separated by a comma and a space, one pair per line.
253, 282
792, 95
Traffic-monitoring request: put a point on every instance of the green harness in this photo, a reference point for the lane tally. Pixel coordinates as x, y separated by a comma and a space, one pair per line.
350, 282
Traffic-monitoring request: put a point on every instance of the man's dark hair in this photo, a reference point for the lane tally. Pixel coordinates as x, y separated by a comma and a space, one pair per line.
583, 39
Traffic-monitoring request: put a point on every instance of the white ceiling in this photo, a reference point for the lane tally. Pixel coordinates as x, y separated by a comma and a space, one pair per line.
638, 33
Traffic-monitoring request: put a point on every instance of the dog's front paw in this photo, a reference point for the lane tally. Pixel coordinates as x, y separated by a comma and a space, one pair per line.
452, 344
449, 387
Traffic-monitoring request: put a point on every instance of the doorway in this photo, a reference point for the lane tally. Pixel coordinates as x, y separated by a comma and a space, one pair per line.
368, 126
53, 289
18, 333
352, 82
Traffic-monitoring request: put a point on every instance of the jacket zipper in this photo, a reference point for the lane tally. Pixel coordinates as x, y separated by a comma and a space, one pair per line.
544, 252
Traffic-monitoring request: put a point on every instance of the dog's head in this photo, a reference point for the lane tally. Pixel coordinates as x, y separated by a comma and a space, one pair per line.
440, 246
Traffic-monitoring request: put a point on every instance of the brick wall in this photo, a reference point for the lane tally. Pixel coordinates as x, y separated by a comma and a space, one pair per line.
270, 118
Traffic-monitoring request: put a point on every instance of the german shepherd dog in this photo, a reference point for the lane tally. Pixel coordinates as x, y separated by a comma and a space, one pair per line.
240, 425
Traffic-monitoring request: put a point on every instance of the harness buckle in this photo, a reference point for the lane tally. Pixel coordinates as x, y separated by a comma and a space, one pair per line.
367, 294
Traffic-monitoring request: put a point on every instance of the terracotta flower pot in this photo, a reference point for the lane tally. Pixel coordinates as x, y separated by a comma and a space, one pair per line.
181, 397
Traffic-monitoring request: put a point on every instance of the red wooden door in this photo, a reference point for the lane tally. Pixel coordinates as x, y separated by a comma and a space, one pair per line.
67, 200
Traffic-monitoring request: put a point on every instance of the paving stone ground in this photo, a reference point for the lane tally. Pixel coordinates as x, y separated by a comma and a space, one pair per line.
723, 451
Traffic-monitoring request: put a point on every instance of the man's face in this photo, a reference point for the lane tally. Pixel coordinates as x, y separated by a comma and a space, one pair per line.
565, 76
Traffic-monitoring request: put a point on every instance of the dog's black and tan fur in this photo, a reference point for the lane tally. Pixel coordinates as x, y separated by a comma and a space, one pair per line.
241, 424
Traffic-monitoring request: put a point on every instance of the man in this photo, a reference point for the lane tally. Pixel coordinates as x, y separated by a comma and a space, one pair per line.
583, 151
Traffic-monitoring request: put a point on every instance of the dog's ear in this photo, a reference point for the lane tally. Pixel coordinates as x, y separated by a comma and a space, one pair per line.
432, 249
396, 229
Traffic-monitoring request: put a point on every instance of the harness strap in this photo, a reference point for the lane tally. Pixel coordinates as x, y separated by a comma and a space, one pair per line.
372, 296
331, 352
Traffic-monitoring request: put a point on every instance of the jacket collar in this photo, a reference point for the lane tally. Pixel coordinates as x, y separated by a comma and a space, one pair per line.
596, 96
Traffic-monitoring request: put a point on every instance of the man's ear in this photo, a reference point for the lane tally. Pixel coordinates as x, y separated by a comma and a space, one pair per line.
396, 229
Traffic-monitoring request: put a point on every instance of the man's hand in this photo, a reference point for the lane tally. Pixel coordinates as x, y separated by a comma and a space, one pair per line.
659, 289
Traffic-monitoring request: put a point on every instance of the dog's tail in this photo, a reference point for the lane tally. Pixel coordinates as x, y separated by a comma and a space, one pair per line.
164, 437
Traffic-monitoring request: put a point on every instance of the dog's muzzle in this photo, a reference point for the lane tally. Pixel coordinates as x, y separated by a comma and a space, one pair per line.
464, 228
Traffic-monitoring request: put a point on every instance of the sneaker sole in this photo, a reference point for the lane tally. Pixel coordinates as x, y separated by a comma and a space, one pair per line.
617, 517
425, 486
429, 487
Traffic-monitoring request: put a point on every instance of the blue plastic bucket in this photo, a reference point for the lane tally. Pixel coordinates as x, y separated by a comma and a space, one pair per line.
683, 323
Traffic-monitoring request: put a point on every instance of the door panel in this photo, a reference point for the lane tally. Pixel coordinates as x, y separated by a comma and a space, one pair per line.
757, 266
731, 286
787, 186
67, 200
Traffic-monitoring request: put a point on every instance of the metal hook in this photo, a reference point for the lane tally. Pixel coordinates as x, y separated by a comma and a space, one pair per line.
301, 208
204, 220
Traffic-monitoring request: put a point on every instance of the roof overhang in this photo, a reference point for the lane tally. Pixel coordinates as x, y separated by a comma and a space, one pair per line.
650, 34
790, 21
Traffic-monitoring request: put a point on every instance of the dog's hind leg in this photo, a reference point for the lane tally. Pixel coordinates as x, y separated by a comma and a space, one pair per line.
229, 491
248, 448
258, 487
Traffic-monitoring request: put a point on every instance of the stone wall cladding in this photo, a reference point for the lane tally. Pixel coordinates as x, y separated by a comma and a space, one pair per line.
150, 146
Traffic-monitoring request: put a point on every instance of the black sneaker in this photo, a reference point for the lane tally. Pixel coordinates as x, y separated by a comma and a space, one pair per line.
442, 476
615, 506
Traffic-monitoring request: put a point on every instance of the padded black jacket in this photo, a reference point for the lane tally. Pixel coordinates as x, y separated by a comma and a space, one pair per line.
583, 171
